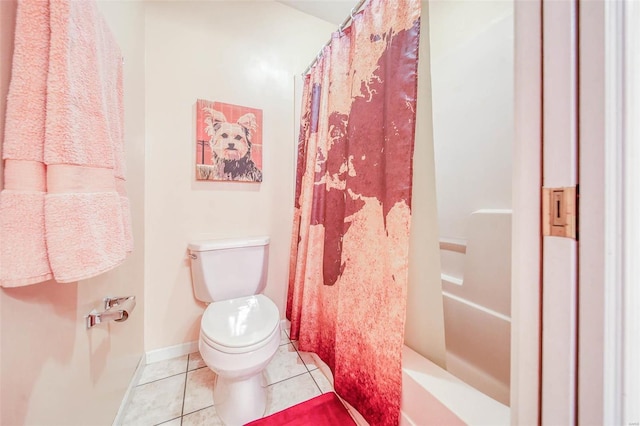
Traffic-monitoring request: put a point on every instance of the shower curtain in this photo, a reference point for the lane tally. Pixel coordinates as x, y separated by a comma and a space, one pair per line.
350, 242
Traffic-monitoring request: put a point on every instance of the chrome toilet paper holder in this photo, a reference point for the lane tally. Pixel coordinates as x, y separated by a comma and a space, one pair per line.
115, 309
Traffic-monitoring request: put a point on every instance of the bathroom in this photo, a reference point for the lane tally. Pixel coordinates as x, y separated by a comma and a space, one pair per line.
169, 207
172, 57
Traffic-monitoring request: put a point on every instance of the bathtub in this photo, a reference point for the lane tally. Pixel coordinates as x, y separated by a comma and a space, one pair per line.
433, 396
476, 290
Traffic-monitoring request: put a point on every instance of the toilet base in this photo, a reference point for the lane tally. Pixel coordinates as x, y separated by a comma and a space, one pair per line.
239, 402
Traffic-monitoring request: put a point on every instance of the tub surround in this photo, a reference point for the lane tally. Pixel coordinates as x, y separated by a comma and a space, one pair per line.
476, 285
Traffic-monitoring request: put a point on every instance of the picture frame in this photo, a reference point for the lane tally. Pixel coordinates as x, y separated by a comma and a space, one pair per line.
228, 142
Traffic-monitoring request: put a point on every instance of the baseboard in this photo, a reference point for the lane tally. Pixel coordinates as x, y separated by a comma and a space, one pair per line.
285, 326
127, 395
405, 420
171, 352
188, 348
149, 357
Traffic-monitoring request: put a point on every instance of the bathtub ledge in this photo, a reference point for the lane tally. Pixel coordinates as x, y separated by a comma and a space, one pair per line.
434, 396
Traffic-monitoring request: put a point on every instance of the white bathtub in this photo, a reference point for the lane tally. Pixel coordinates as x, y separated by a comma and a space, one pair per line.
433, 396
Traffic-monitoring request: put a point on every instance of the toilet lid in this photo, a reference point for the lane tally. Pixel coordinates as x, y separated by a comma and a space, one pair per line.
240, 322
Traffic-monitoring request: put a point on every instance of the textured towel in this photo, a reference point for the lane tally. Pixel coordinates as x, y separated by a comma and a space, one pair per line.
64, 211
23, 250
86, 210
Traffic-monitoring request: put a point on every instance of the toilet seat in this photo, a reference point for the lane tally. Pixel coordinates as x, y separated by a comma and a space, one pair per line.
240, 325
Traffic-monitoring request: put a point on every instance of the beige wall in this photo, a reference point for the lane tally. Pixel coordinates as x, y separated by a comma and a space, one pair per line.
7, 24
244, 53
54, 371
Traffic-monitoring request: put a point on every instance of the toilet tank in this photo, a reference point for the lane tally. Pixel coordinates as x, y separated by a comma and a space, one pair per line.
226, 269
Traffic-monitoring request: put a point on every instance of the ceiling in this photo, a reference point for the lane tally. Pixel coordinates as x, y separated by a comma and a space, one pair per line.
334, 11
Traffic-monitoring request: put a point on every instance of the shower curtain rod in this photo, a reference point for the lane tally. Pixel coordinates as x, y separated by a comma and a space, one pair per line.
342, 26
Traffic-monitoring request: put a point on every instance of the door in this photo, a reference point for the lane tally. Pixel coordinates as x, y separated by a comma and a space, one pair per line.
559, 253
577, 100
544, 301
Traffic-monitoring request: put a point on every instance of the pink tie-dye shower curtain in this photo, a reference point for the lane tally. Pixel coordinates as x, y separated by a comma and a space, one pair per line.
350, 245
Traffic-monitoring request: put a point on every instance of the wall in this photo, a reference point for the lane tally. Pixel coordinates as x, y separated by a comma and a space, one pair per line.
54, 371
244, 53
472, 78
7, 24
424, 329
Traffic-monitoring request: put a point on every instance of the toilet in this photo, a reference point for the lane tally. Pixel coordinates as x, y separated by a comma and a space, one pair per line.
240, 328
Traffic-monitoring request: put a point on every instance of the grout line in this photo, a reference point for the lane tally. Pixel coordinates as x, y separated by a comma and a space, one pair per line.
317, 368
166, 421
288, 378
196, 369
184, 394
304, 363
300, 357
317, 385
161, 378
156, 380
200, 409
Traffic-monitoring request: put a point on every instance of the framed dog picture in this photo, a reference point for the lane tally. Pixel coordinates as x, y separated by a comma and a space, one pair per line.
229, 142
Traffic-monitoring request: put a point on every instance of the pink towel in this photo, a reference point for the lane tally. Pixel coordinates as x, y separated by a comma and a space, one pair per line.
86, 209
23, 249
81, 227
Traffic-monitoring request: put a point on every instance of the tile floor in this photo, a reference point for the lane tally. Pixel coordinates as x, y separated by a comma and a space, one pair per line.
179, 391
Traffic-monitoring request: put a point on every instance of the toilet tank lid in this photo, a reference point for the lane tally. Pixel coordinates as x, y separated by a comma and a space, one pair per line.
206, 245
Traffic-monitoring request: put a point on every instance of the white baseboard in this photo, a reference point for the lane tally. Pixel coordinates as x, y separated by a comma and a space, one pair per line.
285, 326
405, 420
188, 348
171, 352
127, 395
149, 357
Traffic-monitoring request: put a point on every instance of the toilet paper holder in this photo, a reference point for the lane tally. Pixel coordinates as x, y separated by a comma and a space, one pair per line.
115, 309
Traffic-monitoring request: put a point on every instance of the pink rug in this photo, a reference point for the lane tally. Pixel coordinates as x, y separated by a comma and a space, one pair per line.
323, 410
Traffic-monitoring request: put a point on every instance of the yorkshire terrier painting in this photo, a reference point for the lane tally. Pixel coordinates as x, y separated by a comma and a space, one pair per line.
230, 145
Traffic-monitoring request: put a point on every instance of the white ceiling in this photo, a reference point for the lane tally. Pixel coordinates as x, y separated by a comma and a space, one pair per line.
334, 11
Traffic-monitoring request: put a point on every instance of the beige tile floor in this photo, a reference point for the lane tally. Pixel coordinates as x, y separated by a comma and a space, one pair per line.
179, 391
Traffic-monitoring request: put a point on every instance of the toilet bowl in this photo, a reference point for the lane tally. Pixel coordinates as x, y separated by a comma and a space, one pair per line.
238, 338
240, 328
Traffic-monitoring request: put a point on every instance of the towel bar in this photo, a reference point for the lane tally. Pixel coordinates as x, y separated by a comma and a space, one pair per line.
115, 309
